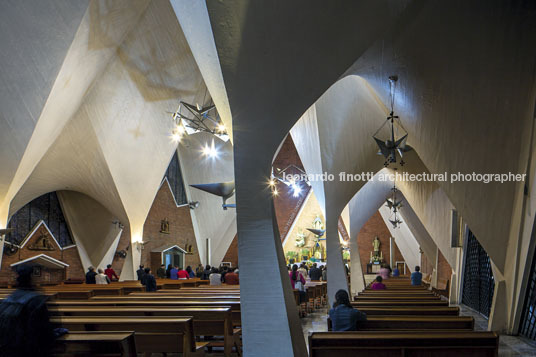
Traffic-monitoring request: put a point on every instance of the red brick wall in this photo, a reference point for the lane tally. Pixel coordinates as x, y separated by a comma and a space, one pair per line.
286, 205
444, 271
374, 227
69, 256
427, 266
180, 228
232, 252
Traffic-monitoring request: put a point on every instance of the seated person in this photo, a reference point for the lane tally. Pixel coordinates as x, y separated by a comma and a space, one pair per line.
343, 316
416, 276
377, 284
215, 277
231, 278
384, 272
25, 329
183, 274
396, 273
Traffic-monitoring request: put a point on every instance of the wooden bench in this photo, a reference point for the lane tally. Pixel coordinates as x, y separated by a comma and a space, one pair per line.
412, 311
424, 343
414, 323
395, 297
152, 334
234, 305
96, 344
206, 321
163, 298
396, 303
442, 287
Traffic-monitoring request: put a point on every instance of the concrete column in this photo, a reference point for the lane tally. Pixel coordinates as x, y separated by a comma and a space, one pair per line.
391, 252
336, 273
357, 283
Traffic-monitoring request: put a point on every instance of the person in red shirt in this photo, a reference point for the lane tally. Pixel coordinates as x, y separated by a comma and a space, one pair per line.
183, 274
110, 273
378, 285
231, 278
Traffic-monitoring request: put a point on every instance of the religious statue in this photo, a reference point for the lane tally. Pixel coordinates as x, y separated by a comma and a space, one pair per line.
317, 223
42, 243
164, 226
300, 239
376, 245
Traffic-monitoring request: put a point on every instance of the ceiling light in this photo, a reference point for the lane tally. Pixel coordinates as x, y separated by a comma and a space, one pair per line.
396, 142
197, 118
271, 182
210, 151
297, 189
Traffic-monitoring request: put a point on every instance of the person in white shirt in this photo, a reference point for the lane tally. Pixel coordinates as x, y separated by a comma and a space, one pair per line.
101, 278
215, 277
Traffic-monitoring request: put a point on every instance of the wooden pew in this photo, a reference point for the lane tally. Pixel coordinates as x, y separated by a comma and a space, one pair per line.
395, 297
395, 303
152, 334
424, 343
206, 321
381, 323
442, 287
412, 311
163, 298
234, 305
96, 344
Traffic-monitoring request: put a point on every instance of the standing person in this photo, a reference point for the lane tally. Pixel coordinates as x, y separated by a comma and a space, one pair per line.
416, 276
90, 276
343, 316
384, 272
150, 281
297, 281
199, 271
206, 272
377, 284
303, 271
231, 278
101, 278
168, 271
161, 272
315, 273
215, 277
190, 272
223, 271
173, 273
110, 273
25, 329
325, 273
140, 272
183, 274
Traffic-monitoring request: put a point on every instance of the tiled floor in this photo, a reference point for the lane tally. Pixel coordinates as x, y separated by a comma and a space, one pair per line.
508, 345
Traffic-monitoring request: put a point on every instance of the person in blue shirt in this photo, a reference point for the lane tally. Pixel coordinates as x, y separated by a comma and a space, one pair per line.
173, 273
343, 316
396, 273
416, 276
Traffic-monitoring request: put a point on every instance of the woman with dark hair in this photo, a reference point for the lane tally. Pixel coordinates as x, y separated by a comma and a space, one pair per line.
168, 271
343, 316
215, 276
206, 273
190, 272
297, 281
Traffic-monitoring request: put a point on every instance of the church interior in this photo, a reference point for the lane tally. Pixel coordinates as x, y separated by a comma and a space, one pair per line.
345, 139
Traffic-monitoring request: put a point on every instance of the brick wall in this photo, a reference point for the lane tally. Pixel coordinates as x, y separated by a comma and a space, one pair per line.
427, 266
444, 271
374, 227
69, 256
180, 228
232, 252
286, 205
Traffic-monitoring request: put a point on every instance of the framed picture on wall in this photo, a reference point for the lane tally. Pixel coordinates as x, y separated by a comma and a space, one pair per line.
36, 271
226, 264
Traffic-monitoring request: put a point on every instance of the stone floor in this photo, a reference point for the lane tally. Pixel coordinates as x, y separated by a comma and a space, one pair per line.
508, 345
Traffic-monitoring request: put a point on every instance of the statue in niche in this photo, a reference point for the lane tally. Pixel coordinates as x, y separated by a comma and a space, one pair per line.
300, 239
42, 243
164, 226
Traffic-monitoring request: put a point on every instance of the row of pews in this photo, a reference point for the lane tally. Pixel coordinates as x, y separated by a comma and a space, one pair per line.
315, 297
405, 320
180, 317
